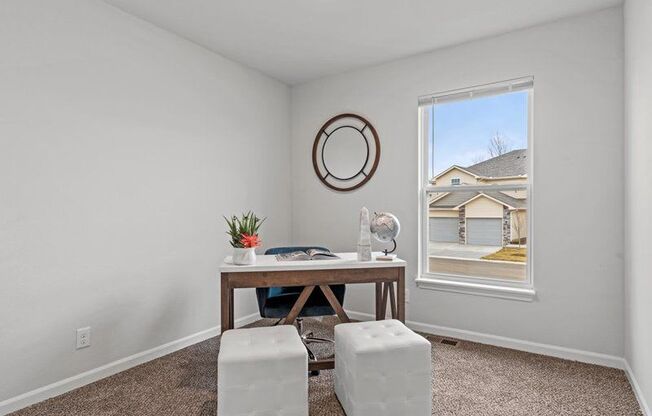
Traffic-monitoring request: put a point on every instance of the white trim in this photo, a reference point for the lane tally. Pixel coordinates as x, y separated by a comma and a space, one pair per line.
637, 390
505, 342
426, 187
60, 387
500, 178
438, 197
482, 194
493, 88
526, 294
478, 177
451, 168
476, 188
466, 278
90, 376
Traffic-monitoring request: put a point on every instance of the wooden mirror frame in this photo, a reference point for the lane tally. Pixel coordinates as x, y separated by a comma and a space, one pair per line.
366, 176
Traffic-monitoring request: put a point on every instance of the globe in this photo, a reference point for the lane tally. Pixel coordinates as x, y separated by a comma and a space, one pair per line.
385, 226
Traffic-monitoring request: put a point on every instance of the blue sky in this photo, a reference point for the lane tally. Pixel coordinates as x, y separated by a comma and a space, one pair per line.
463, 129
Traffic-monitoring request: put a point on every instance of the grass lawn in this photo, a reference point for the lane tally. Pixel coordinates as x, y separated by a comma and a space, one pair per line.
509, 254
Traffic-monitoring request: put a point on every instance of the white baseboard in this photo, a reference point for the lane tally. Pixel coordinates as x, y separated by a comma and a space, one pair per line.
71, 383
79, 380
637, 390
516, 344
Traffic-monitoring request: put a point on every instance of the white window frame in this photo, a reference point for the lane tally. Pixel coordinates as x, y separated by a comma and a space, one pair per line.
482, 286
458, 180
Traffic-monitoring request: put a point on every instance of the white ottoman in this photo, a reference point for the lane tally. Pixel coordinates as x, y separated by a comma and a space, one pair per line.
262, 372
382, 368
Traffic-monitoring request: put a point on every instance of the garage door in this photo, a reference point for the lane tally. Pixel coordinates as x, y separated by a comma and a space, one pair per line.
484, 231
444, 230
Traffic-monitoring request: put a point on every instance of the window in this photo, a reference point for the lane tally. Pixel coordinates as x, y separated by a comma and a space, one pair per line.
475, 211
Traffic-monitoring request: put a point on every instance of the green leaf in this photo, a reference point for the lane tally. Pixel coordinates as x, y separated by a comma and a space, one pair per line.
247, 223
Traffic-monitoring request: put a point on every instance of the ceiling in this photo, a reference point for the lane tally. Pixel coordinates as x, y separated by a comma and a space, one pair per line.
300, 40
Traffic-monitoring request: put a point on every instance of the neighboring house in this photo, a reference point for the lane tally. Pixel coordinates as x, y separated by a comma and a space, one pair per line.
481, 218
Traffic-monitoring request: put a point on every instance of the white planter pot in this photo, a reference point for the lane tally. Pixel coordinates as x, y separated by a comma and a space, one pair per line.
244, 256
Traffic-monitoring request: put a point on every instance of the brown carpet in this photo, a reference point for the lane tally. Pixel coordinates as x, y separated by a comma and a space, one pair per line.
468, 379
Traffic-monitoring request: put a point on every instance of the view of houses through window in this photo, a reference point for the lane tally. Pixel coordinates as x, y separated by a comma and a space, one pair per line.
477, 183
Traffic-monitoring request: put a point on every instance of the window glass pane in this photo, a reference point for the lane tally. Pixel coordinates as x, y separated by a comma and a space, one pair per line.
478, 234
479, 141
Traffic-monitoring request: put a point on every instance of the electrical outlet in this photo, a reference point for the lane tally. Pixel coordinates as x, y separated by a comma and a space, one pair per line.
407, 295
83, 337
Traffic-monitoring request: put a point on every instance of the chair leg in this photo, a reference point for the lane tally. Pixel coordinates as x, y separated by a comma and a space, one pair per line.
308, 338
311, 357
319, 340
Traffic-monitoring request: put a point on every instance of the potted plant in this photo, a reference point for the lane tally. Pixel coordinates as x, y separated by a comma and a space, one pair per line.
244, 237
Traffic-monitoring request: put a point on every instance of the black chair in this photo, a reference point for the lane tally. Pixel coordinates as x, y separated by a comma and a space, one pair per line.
276, 302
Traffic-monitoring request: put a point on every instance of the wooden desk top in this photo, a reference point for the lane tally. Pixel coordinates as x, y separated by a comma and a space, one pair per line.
268, 263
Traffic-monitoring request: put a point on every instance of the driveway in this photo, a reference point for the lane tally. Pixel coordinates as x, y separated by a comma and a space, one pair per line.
461, 251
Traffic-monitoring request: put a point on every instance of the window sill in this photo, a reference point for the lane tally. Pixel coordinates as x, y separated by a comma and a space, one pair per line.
525, 294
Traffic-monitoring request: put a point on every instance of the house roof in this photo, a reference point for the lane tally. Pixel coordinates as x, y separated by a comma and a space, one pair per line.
463, 169
512, 163
455, 199
506, 199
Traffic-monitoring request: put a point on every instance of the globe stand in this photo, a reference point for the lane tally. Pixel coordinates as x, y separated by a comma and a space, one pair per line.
387, 256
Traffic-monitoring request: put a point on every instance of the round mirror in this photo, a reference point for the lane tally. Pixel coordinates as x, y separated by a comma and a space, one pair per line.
346, 152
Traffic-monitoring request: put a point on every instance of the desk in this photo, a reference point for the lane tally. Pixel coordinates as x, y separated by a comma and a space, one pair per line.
317, 274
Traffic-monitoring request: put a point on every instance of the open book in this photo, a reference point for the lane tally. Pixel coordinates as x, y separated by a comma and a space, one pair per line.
310, 254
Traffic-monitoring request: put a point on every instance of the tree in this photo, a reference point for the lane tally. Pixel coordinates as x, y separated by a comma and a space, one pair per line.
498, 145
518, 226
479, 159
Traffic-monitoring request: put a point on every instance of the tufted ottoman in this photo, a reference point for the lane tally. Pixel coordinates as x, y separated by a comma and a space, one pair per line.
382, 368
262, 371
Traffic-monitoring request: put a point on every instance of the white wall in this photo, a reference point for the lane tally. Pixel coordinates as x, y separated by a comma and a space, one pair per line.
638, 172
578, 268
121, 146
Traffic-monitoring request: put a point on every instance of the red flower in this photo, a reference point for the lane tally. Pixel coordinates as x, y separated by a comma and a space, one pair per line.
249, 241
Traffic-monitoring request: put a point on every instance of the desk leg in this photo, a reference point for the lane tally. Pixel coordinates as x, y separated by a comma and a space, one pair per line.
298, 305
335, 304
392, 299
401, 294
231, 313
379, 301
383, 309
226, 303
